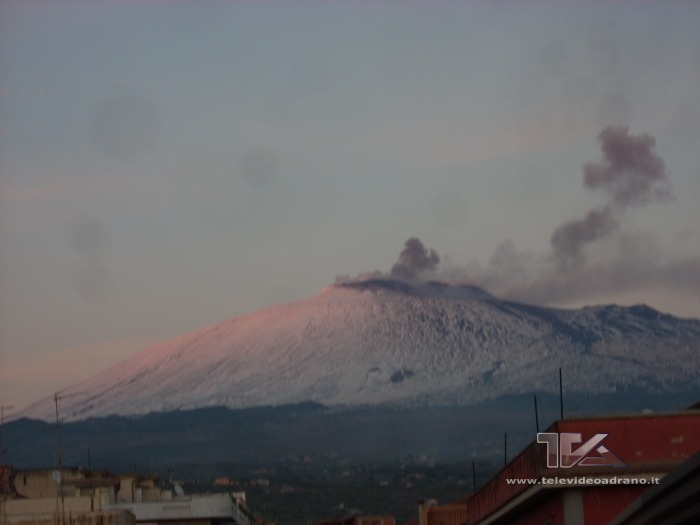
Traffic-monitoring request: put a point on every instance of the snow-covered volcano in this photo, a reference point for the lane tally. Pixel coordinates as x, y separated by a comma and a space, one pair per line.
384, 341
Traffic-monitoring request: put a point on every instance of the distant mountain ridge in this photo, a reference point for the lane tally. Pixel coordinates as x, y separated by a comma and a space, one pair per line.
384, 341
211, 437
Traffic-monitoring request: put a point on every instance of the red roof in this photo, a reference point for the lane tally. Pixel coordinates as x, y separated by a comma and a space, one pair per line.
644, 443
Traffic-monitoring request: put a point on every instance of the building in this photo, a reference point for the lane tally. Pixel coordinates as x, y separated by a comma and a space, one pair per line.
359, 520
79, 497
586, 470
675, 500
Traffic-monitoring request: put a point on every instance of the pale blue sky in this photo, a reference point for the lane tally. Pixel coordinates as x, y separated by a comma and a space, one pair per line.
167, 165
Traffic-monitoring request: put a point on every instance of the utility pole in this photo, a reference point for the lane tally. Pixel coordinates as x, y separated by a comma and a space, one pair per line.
58, 478
561, 397
92, 494
59, 463
3, 449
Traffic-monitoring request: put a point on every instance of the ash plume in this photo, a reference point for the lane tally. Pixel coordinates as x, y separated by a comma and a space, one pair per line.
414, 260
569, 239
630, 174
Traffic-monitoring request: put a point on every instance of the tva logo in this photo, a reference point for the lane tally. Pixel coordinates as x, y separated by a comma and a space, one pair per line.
560, 451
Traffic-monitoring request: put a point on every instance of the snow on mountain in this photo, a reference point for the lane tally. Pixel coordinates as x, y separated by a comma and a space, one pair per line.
384, 341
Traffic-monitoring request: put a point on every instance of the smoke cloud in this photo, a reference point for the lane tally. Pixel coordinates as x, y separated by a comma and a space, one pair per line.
569, 239
630, 173
414, 261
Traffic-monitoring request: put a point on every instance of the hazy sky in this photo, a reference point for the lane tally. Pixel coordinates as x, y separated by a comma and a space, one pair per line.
168, 165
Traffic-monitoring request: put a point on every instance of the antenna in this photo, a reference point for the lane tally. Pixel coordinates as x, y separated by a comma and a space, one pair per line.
92, 494
3, 450
537, 417
56, 398
474, 475
561, 397
505, 449
59, 479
